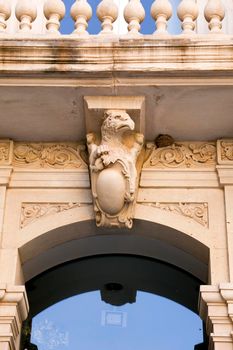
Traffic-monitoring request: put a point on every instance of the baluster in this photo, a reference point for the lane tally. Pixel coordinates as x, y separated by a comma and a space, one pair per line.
187, 12
134, 14
81, 12
5, 12
214, 14
161, 12
107, 12
26, 13
54, 11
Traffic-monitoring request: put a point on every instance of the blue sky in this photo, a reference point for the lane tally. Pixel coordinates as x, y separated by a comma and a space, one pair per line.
148, 26
85, 322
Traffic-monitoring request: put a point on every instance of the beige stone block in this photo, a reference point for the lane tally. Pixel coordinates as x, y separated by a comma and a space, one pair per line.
22, 178
95, 106
178, 178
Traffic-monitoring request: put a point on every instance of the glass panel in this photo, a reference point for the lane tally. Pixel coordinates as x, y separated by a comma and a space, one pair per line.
85, 322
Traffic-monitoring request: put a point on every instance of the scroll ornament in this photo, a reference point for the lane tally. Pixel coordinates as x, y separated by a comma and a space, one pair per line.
113, 169
183, 155
49, 155
6, 147
198, 212
31, 212
225, 148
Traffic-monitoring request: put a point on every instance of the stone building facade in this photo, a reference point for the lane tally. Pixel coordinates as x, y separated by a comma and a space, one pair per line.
174, 195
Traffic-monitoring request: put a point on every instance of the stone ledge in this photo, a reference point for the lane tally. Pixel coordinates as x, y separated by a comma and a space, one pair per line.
201, 53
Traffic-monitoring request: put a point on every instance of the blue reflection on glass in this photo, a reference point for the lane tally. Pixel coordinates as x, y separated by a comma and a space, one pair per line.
85, 322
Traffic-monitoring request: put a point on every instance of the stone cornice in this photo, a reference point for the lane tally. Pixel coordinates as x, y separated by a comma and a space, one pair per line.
94, 55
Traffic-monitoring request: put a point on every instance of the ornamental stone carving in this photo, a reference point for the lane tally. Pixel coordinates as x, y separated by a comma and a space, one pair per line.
30, 212
182, 155
225, 151
6, 151
49, 155
113, 169
195, 211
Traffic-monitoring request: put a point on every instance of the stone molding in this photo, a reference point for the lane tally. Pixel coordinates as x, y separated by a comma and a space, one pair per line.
216, 308
225, 174
197, 212
14, 310
31, 212
179, 178
40, 54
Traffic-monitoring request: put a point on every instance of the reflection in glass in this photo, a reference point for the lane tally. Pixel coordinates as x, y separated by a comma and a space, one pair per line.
85, 322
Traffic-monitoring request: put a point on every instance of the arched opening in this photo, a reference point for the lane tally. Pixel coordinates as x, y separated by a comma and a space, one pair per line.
78, 258
129, 286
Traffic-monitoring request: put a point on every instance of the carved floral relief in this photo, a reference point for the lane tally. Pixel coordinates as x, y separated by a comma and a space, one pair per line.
183, 155
225, 151
6, 150
31, 212
49, 155
198, 212
113, 169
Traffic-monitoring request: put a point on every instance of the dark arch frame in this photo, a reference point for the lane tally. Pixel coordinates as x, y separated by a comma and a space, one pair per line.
131, 271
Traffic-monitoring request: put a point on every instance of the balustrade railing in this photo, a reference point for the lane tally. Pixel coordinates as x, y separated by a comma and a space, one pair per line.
43, 17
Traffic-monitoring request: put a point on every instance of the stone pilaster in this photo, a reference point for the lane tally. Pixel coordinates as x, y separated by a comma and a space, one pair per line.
215, 307
13, 311
225, 173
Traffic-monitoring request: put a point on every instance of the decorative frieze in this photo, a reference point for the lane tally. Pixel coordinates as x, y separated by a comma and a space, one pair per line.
183, 155
49, 155
225, 151
195, 211
30, 212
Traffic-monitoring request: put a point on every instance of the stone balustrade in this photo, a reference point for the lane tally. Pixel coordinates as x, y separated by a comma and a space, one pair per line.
43, 17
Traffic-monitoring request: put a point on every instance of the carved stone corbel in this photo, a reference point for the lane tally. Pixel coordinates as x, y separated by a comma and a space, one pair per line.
113, 169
